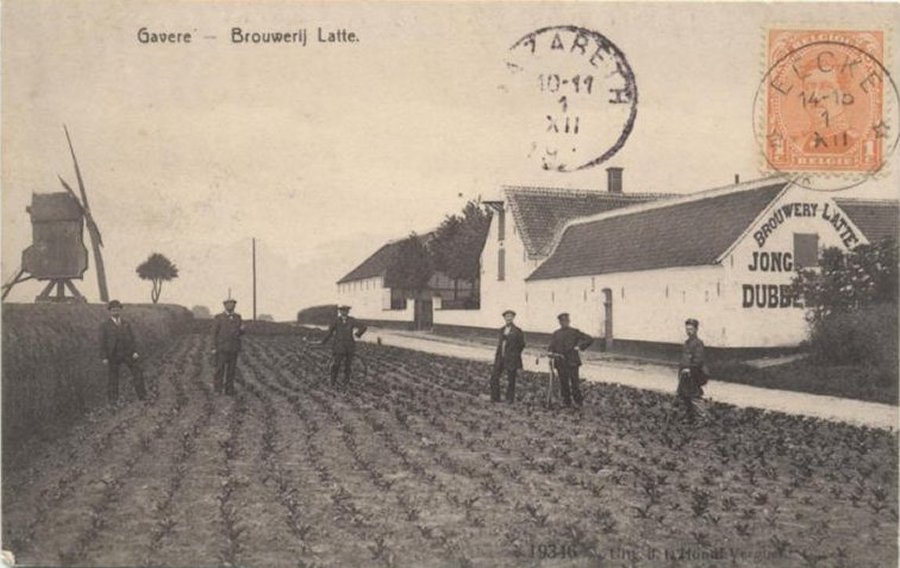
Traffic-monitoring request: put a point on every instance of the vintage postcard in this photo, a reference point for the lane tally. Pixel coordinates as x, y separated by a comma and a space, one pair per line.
295, 284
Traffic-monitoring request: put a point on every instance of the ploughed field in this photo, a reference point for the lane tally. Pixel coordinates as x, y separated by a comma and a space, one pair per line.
413, 466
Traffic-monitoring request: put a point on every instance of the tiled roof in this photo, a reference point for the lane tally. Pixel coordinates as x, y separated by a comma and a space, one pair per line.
680, 232
877, 219
541, 213
378, 263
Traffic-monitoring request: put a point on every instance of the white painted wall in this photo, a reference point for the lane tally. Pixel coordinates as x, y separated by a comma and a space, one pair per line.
648, 305
369, 299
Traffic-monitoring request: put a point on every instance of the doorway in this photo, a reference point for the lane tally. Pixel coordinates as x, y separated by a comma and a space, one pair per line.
607, 327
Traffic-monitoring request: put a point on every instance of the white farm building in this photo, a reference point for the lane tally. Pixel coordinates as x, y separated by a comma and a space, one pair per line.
631, 267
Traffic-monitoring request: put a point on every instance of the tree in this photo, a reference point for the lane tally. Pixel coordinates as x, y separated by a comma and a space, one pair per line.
411, 268
458, 241
158, 269
864, 276
201, 312
851, 302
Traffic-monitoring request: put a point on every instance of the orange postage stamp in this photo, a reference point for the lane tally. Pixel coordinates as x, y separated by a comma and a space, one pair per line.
825, 92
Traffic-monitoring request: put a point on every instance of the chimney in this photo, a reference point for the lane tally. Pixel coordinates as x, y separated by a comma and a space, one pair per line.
614, 180
737, 179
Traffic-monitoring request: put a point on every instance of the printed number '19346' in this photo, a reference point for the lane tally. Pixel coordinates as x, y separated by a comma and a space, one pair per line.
553, 550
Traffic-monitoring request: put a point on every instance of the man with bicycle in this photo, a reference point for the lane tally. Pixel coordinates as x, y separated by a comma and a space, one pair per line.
565, 345
344, 346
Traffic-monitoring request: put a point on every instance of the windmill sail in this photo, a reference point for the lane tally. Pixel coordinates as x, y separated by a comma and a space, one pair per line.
93, 230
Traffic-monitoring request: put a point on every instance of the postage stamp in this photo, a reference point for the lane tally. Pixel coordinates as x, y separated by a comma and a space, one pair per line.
584, 91
825, 99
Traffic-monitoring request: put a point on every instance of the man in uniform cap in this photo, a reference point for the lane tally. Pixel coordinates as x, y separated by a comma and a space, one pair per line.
565, 345
508, 357
117, 347
227, 330
692, 372
344, 346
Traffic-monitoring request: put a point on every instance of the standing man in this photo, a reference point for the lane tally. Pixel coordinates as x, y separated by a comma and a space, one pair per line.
227, 330
507, 358
692, 372
117, 347
344, 345
565, 345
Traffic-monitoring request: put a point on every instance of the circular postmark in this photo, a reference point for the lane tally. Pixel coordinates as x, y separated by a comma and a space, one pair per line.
826, 108
577, 95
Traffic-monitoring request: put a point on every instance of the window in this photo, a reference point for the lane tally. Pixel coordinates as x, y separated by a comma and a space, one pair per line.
501, 265
501, 225
623, 292
593, 284
667, 291
718, 288
806, 250
398, 300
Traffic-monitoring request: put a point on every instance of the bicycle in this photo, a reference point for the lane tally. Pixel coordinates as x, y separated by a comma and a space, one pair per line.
553, 377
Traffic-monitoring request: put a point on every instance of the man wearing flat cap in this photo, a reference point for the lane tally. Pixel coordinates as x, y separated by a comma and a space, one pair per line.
118, 347
692, 373
344, 346
565, 345
508, 358
227, 330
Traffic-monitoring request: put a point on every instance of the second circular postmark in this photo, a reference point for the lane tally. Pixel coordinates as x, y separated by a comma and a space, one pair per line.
577, 94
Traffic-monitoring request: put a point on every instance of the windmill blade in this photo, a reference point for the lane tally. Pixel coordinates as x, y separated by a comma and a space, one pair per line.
92, 225
84, 198
68, 188
93, 230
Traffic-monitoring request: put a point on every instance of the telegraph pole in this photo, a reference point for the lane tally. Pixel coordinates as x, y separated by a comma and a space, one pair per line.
254, 278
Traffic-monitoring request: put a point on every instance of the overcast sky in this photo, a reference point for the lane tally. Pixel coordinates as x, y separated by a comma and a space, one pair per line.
323, 152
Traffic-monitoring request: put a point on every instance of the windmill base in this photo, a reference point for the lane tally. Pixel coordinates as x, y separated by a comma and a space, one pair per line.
55, 291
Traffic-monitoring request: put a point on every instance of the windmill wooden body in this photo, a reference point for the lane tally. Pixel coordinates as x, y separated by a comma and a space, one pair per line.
57, 254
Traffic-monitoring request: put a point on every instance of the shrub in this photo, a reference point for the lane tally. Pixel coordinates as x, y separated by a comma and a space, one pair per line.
317, 315
865, 337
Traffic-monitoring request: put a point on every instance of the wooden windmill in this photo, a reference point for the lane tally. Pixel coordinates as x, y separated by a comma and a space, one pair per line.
57, 254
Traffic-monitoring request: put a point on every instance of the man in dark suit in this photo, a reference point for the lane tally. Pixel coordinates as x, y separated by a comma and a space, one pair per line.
227, 330
344, 345
117, 347
565, 345
508, 358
